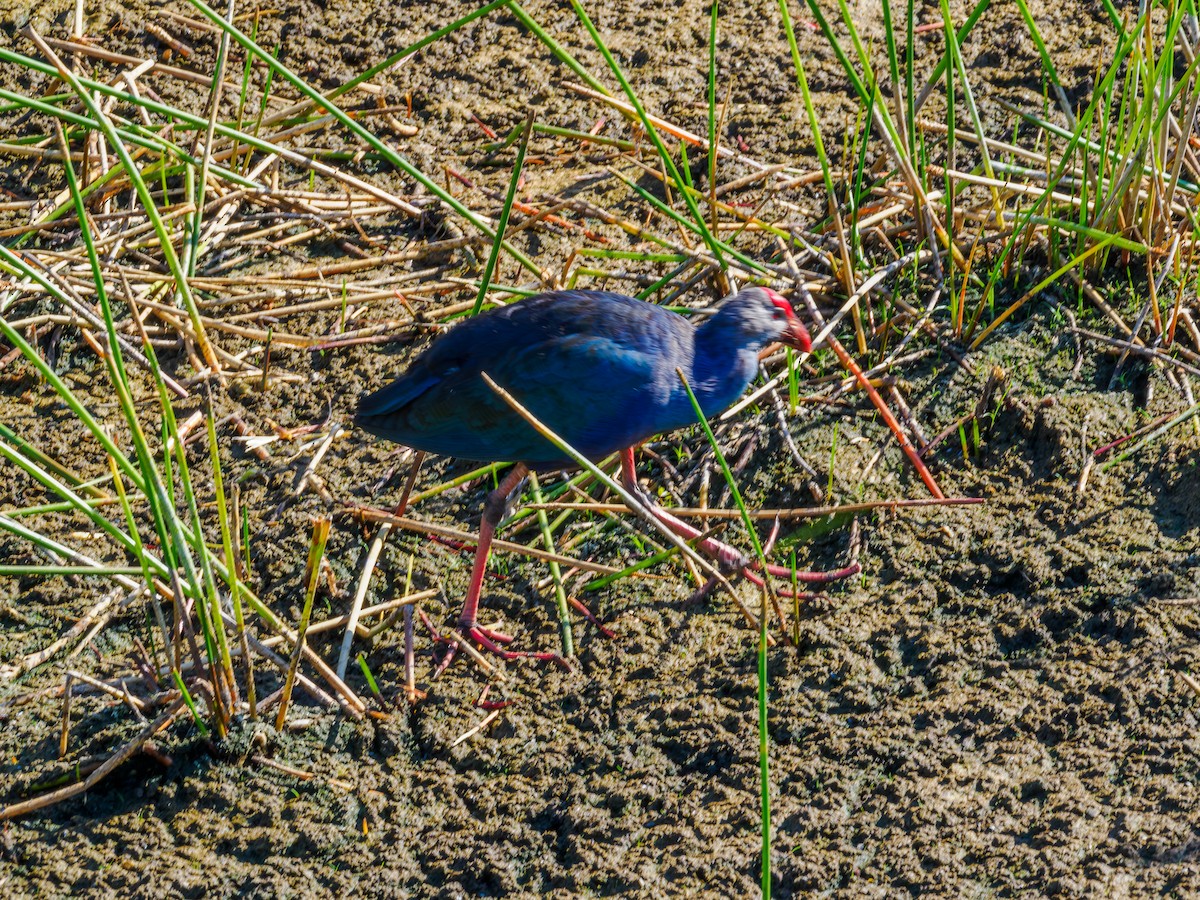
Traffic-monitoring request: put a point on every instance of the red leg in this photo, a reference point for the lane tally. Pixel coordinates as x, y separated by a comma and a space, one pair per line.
727, 556
468, 625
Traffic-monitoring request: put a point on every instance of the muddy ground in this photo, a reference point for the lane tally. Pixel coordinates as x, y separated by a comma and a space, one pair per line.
994, 708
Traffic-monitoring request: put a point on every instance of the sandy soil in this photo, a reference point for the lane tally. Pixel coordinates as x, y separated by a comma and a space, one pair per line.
994, 708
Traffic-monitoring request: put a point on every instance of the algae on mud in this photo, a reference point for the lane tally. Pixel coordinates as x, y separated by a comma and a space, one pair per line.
995, 709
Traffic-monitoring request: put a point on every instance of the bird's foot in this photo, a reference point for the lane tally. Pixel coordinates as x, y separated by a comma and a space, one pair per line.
751, 569
493, 642
729, 559
806, 578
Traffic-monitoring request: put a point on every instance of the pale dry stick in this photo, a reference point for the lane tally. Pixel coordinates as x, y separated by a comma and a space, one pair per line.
110, 242
190, 424
1139, 350
98, 614
317, 305
457, 639
126, 751
1190, 681
318, 199
781, 420
922, 201
882, 215
116, 687
352, 701
225, 206
843, 384
310, 470
182, 328
129, 700
359, 596
65, 728
808, 178
922, 322
250, 291
1190, 400
1035, 190
302, 107
1002, 148
358, 296
471, 732
1089, 460
800, 512
1182, 148
94, 147
749, 221
110, 56
1189, 325
45, 155
305, 162
281, 203
385, 332
86, 640
1168, 263
410, 662
48, 319
360, 629
116, 693
907, 416
737, 184
345, 267
295, 157
250, 374
299, 773
77, 23
748, 225
205, 149
256, 334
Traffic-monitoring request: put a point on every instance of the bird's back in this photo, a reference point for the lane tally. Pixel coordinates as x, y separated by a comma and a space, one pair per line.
597, 368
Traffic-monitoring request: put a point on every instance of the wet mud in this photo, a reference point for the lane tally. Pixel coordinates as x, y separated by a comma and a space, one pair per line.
996, 707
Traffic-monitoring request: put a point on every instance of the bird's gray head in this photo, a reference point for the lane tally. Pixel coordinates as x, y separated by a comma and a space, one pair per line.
757, 316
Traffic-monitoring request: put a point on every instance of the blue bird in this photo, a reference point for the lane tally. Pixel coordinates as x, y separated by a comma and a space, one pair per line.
599, 369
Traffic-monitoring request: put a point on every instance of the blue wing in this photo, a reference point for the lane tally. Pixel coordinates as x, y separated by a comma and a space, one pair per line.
598, 369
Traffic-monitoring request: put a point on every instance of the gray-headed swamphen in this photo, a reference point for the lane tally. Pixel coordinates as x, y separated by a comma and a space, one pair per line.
599, 369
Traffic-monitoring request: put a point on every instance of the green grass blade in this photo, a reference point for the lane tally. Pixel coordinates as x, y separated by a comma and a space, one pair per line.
506, 210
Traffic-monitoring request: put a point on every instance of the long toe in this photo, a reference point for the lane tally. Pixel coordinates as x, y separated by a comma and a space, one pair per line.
493, 642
